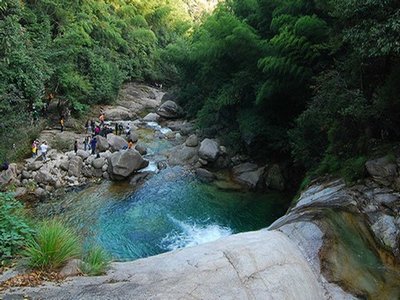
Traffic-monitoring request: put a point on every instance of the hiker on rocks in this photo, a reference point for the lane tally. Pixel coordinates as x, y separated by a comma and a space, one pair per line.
92, 126
128, 130
62, 123
34, 148
43, 150
101, 118
93, 143
76, 146
121, 128
4, 166
86, 143
97, 130
130, 144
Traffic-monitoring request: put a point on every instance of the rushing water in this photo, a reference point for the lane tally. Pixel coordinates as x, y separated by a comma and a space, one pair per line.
169, 211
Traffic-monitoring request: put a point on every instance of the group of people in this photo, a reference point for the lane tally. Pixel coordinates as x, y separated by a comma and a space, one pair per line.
42, 147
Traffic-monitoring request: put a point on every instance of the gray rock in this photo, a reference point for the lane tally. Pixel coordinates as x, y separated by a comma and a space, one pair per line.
44, 177
64, 165
98, 163
75, 166
151, 117
82, 153
36, 165
116, 142
182, 155
252, 178
141, 149
133, 136
386, 230
26, 175
170, 110
40, 193
105, 175
104, 168
102, 144
97, 173
209, 150
243, 168
274, 179
123, 163
192, 141
139, 178
161, 165
205, 175
382, 170
20, 192
87, 171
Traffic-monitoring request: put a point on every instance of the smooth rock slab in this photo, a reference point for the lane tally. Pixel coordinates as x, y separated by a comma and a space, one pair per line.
255, 265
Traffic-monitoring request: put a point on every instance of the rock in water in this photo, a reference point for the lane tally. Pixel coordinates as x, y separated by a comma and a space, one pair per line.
75, 166
205, 175
123, 163
170, 110
209, 150
116, 142
141, 149
133, 136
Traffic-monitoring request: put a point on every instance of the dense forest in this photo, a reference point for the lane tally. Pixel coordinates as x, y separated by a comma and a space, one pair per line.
313, 81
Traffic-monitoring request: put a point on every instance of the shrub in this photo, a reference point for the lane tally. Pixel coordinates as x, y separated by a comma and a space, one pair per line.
96, 261
14, 227
354, 169
52, 246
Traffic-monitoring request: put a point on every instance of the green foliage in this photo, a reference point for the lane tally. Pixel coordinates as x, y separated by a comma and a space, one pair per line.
52, 246
14, 227
95, 261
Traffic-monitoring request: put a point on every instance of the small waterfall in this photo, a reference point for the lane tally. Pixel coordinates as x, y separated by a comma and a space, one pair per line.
192, 234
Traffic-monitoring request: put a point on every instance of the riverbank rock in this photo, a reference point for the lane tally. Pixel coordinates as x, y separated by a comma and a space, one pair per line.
274, 179
82, 153
123, 163
75, 166
192, 141
116, 142
44, 177
205, 175
248, 174
182, 155
170, 110
382, 170
209, 150
151, 117
102, 144
98, 163
133, 136
141, 149
34, 166
118, 113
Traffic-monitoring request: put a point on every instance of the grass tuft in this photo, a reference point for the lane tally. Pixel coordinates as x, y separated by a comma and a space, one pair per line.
95, 262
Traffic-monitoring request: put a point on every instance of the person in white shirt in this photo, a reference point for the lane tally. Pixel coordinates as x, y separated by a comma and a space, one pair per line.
43, 150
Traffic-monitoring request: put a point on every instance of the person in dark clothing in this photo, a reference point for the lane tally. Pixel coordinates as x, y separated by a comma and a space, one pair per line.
121, 128
4, 166
62, 123
93, 143
116, 128
92, 125
76, 146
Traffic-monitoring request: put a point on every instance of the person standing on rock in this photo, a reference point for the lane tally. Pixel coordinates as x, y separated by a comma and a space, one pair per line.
62, 123
97, 130
92, 126
116, 128
121, 128
93, 143
101, 118
76, 146
43, 150
34, 149
86, 143
130, 144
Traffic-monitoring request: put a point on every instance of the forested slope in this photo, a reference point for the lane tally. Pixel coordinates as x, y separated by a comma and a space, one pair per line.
318, 81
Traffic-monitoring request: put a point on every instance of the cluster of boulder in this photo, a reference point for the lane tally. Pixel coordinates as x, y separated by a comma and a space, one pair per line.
39, 178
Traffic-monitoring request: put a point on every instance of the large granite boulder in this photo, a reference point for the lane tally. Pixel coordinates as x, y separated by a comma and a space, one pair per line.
141, 149
8, 176
98, 163
382, 170
170, 110
388, 232
248, 174
209, 150
274, 179
133, 136
116, 142
75, 166
192, 141
82, 153
123, 163
151, 117
118, 113
43, 176
183, 155
34, 166
102, 144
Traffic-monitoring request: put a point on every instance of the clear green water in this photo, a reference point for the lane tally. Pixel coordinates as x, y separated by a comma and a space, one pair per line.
170, 211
